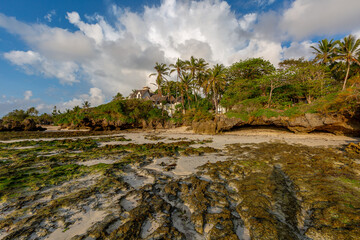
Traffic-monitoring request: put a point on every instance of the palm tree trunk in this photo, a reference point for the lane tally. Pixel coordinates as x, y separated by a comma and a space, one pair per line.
215, 99
182, 101
187, 93
270, 95
195, 97
346, 77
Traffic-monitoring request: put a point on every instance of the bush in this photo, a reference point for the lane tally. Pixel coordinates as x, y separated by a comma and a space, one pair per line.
128, 111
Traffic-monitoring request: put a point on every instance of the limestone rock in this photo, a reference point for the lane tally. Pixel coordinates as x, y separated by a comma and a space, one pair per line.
306, 123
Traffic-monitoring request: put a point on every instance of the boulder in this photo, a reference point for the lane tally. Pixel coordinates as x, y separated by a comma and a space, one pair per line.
206, 127
29, 125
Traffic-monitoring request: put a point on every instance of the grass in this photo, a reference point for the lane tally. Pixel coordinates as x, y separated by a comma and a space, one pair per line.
243, 116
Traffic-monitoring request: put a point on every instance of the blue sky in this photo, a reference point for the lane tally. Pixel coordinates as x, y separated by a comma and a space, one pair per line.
65, 52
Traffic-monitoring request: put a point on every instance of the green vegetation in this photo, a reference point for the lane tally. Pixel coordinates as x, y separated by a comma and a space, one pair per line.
31, 113
254, 87
116, 113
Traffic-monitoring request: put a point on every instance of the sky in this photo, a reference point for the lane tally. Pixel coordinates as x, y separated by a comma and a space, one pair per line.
62, 53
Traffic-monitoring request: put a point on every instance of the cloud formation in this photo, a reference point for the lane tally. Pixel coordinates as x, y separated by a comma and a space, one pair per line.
119, 56
28, 94
48, 17
94, 97
306, 18
34, 63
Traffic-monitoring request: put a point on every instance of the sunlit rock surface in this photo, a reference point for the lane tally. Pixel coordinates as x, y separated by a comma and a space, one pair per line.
159, 186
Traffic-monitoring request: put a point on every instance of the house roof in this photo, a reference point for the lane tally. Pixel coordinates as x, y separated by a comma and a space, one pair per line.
142, 93
156, 98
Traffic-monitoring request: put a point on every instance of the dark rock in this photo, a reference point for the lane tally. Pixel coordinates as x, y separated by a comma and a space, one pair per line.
26, 125
29, 125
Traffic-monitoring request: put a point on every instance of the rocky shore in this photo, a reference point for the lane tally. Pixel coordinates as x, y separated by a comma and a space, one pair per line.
26, 125
178, 185
309, 122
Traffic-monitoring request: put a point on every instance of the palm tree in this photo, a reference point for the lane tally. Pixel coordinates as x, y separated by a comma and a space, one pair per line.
178, 67
348, 50
186, 80
76, 108
191, 65
195, 66
86, 104
32, 111
201, 73
161, 72
324, 51
216, 82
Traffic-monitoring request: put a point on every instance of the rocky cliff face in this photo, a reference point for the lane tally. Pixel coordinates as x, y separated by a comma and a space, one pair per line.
309, 122
26, 125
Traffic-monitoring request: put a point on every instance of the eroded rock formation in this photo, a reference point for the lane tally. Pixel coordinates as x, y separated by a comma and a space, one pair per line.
309, 122
26, 125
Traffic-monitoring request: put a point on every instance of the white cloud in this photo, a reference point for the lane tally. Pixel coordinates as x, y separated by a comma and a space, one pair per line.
264, 2
9, 104
34, 63
93, 31
268, 50
247, 21
306, 18
356, 33
297, 50
27, 95
48, 17
54, 43
95, 97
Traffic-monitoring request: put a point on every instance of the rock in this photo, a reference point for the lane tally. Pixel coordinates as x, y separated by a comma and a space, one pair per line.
309, 122
29, 125
353, 148
206, 127
26, 125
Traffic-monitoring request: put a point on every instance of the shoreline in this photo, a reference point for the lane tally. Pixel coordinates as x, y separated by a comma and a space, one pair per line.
253, 135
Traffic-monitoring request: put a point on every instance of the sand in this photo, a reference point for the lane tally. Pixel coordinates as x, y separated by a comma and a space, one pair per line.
220, 140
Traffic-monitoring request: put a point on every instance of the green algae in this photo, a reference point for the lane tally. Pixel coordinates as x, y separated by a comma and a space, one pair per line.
275, 190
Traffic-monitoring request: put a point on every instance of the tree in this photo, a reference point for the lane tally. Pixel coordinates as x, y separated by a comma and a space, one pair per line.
161, 71
186, 80
348, 50
178, 67
16, 115
76, 109
192, 66
275, 80
324, 51
200, 76
32, 111
55, 111
118, 96
252, 68
216, 83
308, 78
86, 104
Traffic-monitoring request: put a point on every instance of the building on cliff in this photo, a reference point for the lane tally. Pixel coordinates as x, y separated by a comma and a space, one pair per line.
166, 103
